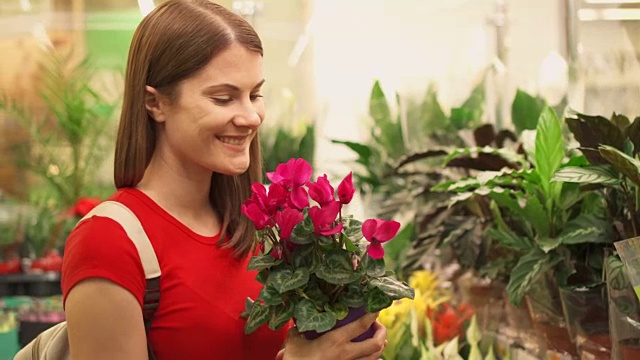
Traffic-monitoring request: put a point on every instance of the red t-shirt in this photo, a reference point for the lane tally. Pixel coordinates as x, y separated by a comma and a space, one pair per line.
203, 287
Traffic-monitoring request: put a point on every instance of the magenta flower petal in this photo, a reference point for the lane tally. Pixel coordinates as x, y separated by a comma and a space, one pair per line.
300, 172
257, 216
387, 230
328, 230
369, 229
380, 230
321, 191
346, 189
299, 198
286, 220
375, 250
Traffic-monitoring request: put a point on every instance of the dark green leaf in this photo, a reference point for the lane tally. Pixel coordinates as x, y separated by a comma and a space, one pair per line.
303, 256
339, 311
529, 269
593, 131
377, 300
315, 294
262, 276
620, 121
547, 244
375, 268
622, 162
632, 132
586, 229
525, 111
248, 305
270, 295
259, 315
353, 296
287, 279
337, 268
262, 262
280, 315
596, 174
309, 318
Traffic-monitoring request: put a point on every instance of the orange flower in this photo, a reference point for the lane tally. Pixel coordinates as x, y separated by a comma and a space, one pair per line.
448, 321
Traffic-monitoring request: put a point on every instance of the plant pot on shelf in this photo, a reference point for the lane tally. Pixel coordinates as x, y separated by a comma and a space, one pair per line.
587, 314
518, 328
545, 309
624, 310
353, 315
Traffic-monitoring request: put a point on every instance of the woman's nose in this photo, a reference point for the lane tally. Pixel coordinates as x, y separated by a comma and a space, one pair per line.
249, 116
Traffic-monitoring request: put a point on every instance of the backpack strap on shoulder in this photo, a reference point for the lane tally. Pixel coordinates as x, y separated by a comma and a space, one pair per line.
134, 230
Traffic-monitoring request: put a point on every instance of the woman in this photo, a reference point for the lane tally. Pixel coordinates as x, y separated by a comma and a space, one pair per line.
186, 154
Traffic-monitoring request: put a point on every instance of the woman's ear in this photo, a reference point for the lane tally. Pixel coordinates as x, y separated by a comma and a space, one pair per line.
152, 103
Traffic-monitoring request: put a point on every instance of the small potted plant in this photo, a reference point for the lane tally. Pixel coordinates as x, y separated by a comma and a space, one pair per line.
318, 266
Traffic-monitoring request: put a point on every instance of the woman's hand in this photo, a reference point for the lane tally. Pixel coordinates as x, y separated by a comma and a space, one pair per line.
336, 344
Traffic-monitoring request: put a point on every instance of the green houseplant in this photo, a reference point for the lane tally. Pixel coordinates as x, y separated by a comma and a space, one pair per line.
314, 263
67, 141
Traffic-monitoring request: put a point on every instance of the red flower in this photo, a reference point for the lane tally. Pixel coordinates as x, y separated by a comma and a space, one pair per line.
377, 231
448, 322
287, 219
321, 191
346, 189
258, 217
294, 173
84, 205
324, 219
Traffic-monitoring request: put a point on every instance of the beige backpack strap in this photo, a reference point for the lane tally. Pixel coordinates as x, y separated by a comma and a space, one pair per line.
132, 227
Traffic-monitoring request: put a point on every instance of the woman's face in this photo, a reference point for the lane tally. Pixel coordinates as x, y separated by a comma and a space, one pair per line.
214, 116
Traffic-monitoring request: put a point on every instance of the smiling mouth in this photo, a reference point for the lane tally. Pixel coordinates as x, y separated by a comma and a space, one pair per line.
232, 140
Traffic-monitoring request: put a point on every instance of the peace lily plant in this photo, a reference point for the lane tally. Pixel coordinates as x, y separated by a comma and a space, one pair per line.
316, 264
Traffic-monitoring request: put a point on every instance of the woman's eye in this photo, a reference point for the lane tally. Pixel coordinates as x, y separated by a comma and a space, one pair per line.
255, 97
221, 101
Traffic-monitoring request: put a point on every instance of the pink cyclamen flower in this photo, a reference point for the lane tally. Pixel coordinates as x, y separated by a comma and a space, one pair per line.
321, 191
324, 219
346, 189
377, 231
258, 217
286, 220
294, 173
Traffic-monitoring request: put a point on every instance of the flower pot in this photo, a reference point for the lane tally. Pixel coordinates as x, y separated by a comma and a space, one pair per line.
624, 310
629, 349
353, 315
545, 308
586, 311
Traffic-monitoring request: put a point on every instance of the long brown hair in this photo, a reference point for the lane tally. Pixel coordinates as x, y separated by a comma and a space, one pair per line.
172, 43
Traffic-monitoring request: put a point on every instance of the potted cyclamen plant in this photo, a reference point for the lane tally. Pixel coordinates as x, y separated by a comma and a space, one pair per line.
318, 266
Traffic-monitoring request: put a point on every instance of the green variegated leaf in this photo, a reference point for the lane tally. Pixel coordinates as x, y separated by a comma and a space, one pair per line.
270, 295
262, 276
393, 288
258, 316
375, 268
352, 229
309, 318
303, 232
353, 297
287, 279
622, 162
262, 262
337, 269
280, 315
529, 269
315, 294
303, 256
325, 240
596, 174
586, 229
248, 305
377, 300
339, 311
547, 244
